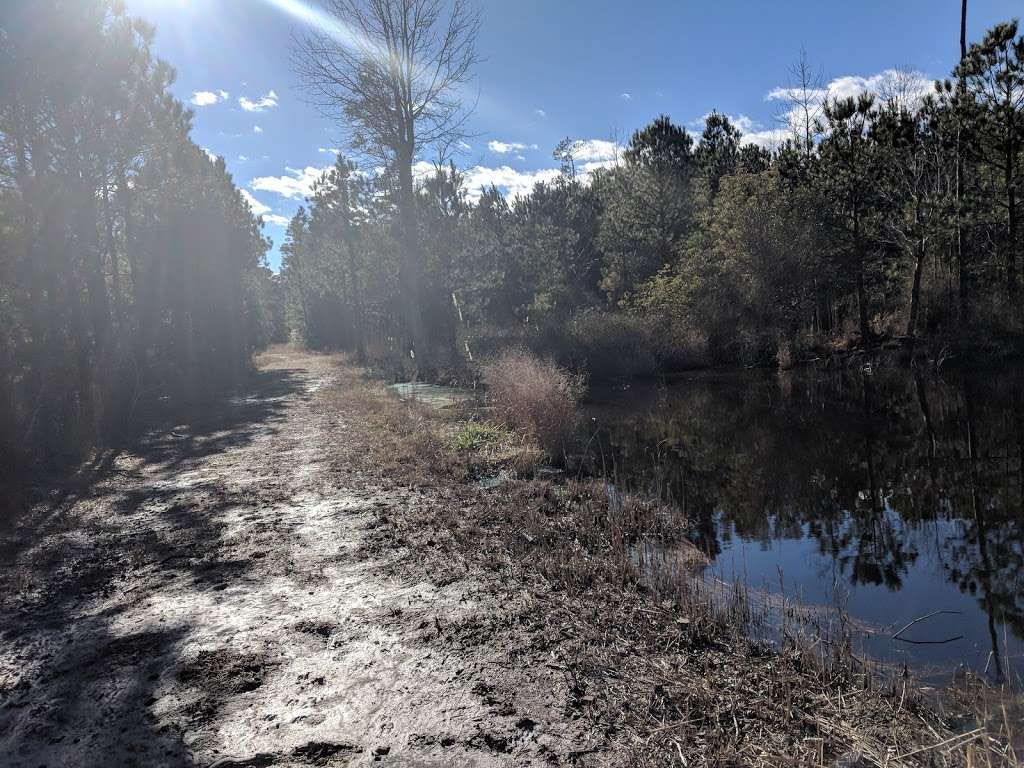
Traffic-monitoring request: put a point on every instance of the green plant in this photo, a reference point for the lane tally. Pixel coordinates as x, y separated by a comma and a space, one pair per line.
477, 435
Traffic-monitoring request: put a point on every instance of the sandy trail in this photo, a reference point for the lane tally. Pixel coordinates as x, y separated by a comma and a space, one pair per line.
204, 600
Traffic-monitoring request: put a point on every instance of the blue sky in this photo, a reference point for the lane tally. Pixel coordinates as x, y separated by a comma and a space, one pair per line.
552, 68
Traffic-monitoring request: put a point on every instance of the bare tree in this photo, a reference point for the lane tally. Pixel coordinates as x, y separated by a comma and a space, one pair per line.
803, 100
392, 74
902, 89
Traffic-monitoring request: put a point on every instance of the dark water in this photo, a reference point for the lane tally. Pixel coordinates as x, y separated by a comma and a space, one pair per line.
889, 494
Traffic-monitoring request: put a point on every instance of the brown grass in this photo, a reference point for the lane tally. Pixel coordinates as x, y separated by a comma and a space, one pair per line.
534, 397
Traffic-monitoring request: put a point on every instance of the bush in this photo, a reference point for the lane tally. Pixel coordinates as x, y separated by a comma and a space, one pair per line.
534, 397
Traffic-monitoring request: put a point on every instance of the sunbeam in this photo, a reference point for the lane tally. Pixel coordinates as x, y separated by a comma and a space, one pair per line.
315, 17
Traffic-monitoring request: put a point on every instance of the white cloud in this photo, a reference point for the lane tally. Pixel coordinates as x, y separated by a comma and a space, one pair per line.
596, 151
509, 181
210, 154
329, 151
907, 86
297, 185
224, 94
421, 170
626, 96
276, 220
257, 208
766, 138
540, 113
257, 130
242, 158
269, 101
206, 98
505, 147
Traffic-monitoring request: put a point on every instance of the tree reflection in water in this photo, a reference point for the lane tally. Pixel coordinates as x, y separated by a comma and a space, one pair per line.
893, 476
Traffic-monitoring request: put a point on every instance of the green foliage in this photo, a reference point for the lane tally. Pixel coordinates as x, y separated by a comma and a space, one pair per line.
476, 436
718, 151
989, 108
663, 147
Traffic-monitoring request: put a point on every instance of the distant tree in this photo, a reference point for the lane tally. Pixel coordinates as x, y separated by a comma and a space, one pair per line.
645, 215
486, 279
662, 146
552, 240
846, 177
565, 154
393, 82
911, 184
754, 159
444, 216
718, 150
803, 100
992, 104
755, 282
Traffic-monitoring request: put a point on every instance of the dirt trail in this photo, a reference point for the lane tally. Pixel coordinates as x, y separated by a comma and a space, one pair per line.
205, 599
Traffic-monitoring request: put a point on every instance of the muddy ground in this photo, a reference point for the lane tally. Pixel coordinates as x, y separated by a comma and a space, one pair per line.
208, 598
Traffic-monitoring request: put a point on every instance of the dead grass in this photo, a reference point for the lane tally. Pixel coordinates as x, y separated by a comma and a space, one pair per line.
656, 659
534, 397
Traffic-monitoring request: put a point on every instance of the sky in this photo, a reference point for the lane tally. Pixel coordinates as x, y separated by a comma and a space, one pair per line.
595, 71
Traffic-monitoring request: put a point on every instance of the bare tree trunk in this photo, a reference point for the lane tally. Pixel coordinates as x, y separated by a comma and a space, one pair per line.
1011, 246
915, 291
963, 30
410, 278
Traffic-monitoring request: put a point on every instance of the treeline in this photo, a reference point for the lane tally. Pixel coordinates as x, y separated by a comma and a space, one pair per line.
886, 216
131, 269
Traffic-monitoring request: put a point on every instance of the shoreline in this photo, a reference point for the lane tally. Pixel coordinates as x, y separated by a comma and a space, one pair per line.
672, 607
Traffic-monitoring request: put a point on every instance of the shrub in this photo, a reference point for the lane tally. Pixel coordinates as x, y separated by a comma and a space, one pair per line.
534, 397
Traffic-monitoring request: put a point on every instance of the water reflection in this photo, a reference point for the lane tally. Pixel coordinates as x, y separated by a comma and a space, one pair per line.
898, 493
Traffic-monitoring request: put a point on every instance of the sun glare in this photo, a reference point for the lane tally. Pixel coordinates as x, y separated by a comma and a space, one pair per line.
314, 17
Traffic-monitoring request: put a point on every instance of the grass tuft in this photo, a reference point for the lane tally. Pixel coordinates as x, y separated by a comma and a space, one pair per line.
534, 397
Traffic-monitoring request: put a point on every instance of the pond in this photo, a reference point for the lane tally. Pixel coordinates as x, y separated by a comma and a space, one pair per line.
886, 493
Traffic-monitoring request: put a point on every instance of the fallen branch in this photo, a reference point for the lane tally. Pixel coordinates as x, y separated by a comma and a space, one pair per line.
896, 636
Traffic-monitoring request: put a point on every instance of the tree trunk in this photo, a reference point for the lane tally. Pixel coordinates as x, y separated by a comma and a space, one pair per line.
409, 278
915, 291
115, 272
964, 273
963, 30
862, 302
1011, 246
862, 308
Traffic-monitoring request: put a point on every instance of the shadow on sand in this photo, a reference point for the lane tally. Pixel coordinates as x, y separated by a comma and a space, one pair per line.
89, 547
